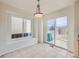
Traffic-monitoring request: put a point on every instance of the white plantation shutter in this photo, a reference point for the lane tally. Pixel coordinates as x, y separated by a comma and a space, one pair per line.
16, 25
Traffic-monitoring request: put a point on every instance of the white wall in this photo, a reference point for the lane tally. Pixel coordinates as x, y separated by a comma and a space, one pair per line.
69, 12
38, 29
6, 43
35, 28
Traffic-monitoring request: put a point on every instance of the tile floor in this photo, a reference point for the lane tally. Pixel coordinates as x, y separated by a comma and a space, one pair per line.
39, 51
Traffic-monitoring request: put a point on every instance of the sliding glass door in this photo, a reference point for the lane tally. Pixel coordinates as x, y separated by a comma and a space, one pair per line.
57, 31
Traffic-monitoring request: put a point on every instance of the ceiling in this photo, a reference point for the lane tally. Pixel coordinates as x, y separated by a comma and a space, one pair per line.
47, 6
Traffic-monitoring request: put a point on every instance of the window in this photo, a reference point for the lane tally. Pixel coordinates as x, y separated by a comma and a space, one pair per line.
20, 27
51, 25
61, 22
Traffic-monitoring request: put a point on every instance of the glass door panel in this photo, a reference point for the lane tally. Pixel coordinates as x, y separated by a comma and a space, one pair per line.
51, 31
61, 32
57, 32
